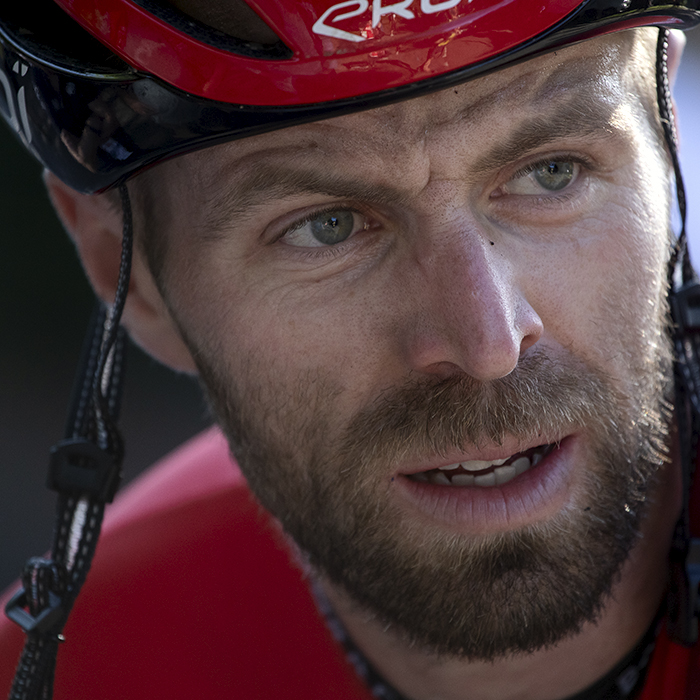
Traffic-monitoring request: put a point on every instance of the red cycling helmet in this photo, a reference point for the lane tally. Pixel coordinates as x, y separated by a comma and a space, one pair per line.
100, 89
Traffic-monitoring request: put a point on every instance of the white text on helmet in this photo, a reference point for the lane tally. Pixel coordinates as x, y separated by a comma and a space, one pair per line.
326, 24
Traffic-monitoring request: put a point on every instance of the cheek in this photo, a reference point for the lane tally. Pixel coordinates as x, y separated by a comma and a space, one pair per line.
298, 349
606, 296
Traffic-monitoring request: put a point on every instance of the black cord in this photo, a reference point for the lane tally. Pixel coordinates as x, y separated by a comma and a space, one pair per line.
668, 124
684, 299
85, 469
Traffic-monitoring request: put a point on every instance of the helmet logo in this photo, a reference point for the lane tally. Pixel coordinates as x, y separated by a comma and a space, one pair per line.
326, 24
16, 102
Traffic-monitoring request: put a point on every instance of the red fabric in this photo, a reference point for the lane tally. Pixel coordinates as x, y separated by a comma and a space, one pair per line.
192, 595
668, 675
674, 673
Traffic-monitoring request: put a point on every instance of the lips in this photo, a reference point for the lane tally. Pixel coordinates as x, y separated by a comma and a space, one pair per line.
484, 473
538, 492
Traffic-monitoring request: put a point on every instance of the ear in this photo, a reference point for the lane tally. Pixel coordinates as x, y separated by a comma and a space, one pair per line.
95, 225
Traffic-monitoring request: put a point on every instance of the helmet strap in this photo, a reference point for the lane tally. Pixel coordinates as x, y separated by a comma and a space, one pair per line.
85, 470
683, 601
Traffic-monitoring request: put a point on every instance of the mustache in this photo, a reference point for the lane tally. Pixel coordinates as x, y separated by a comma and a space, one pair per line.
541, 397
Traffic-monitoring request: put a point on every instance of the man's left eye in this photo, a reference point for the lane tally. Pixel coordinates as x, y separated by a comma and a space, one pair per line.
544, 177
328, 228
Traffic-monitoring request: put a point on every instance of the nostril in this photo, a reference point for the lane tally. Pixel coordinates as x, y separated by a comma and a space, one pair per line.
528, 341
530, 326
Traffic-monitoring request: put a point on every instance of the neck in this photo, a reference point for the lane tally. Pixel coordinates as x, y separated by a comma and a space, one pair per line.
553, 673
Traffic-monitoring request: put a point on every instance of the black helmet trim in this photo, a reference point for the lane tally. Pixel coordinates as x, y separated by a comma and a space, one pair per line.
95, 130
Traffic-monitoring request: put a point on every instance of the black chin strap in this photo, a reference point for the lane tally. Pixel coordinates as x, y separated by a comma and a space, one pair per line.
85, 470
682, 603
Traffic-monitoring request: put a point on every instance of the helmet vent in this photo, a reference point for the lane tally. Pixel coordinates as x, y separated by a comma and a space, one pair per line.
231, 25
47, 33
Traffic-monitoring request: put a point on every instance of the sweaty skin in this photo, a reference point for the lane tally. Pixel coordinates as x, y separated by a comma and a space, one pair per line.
459, 264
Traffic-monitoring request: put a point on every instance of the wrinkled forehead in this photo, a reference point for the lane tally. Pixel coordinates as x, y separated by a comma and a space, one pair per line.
593, 77
596, 67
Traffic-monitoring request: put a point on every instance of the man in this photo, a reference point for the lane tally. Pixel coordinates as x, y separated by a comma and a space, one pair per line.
436, 336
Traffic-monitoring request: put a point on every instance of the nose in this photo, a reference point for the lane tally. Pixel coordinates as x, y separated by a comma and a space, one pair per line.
473, 316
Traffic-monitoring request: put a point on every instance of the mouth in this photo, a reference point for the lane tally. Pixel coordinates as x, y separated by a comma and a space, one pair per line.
482, 473
509, 491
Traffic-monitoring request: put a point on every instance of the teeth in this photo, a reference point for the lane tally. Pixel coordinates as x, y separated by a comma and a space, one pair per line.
505, 474
501, 474
438, 477
485, 479
475, 465
522, 464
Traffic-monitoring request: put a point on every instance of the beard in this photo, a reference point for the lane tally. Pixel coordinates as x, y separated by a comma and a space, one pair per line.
473, 597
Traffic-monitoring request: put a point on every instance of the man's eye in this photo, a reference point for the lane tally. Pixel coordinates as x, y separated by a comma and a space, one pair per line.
548, 176
326, 229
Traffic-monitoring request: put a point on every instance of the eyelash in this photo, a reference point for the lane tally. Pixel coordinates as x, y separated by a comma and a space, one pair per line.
314, 215
323, 251
585, 163
565, 157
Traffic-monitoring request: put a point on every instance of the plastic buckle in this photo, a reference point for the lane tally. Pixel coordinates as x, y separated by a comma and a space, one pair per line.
683, 600
43, 622
78, 465
685, 303
692, 567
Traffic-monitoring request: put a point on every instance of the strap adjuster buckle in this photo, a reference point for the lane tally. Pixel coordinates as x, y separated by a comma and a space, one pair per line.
684, 596
685, 304
78, 465
692, 567
39, 624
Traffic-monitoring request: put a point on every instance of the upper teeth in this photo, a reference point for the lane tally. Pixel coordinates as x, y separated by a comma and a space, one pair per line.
475, 465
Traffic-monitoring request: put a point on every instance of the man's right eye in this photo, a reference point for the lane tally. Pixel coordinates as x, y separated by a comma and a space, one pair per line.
326, 228
546, 177
555, 175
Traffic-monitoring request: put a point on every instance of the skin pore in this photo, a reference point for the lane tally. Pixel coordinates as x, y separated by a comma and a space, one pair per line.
461, 277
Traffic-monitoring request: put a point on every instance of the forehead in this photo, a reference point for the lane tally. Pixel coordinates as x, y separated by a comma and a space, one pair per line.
590, 86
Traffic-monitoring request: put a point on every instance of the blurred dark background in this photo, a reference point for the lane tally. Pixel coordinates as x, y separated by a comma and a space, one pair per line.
44, 307
45, 304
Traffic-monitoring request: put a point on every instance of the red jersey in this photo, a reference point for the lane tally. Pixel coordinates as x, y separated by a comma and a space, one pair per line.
193, 594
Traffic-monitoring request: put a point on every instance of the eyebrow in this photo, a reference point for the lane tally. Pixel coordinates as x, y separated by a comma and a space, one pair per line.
580, 118
269, 182
268, 179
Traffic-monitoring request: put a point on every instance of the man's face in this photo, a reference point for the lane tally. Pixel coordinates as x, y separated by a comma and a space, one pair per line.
434, 334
